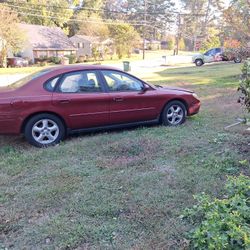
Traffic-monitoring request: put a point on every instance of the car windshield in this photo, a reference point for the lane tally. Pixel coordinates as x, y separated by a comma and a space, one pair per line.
28, 78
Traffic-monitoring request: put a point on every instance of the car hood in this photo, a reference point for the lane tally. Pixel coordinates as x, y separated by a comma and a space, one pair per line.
174, 89
198, 55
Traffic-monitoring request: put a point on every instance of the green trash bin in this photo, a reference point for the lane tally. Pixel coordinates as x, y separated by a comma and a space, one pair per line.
126, 66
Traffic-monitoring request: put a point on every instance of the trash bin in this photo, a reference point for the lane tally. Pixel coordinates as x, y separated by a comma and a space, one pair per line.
164, 59
126, 66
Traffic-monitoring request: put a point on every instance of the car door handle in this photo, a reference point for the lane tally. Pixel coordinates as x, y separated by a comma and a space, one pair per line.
118, 99
64, 101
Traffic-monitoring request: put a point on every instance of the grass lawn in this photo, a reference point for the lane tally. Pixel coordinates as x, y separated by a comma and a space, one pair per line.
124, 189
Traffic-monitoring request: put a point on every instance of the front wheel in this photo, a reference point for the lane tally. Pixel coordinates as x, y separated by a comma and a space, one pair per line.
199, 62
174, 114
44, 130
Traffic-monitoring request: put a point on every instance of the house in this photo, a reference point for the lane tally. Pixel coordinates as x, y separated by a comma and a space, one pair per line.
154, 45
85, 44
43, 41
150, 44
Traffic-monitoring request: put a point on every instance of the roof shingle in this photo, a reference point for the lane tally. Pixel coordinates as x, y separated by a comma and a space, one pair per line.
49, 38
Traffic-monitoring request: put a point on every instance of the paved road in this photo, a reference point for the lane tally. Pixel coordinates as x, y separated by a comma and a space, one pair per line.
136, 66
8, 79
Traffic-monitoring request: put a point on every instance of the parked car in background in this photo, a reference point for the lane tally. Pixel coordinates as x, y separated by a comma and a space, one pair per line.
17, 62
48, 105
216, 55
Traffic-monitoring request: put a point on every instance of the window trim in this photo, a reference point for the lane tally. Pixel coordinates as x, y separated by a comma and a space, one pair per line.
59, 82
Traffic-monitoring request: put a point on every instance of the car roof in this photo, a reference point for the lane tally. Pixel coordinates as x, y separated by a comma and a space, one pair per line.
82, 67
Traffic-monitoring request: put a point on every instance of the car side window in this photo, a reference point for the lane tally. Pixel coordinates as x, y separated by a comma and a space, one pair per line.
210, 52
119, 81
50, 85
218, 51
80, 82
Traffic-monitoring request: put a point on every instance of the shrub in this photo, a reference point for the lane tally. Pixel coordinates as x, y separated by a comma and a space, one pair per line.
244, 87
55, 59
81, 59
72, 59
170, 43
222, 223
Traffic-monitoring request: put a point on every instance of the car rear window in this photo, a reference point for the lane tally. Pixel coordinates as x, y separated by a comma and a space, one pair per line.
28, 78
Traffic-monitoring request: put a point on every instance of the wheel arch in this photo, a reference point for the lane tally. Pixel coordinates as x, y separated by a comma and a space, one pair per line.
42, 112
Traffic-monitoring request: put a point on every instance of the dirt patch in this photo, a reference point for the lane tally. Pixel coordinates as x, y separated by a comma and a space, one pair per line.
129, 152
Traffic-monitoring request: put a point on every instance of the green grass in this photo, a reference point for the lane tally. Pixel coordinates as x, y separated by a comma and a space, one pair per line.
124, 189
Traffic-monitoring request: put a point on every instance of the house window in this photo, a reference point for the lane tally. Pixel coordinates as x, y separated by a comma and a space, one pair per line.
80, 45
52, 53
41, 53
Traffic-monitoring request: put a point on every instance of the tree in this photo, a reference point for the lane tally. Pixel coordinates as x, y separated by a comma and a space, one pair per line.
44, 12
93, 26
237, 21
182, 45
232, 43
158, 14
87, 18
170, 42
125, 38
11, 38
212, 40
203, 13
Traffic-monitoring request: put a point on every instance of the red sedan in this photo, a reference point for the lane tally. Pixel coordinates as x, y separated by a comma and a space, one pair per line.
48, 105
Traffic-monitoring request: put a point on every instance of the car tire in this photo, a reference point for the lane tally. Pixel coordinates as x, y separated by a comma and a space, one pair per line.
237, 59
199, 62
44, 130
174, 114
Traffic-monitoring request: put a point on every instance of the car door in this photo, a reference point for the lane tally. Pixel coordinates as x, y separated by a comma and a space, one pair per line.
218, 55
209, 56
80, 97
128, 102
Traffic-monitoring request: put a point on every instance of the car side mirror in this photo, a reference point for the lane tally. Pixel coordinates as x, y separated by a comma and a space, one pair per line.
145, 88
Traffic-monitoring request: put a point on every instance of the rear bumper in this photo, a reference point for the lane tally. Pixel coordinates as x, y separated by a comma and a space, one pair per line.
194, 108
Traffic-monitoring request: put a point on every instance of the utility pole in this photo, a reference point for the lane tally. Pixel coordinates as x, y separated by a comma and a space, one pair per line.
144, 29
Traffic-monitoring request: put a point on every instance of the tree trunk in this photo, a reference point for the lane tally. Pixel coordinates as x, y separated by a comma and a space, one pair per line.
3, 57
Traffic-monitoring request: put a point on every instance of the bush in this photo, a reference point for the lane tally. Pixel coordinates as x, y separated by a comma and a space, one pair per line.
244, 87
55, 59
72, 59
81, 59
222, 223
42, 59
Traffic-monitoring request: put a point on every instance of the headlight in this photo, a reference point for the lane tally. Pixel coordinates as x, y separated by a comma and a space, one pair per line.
195, 96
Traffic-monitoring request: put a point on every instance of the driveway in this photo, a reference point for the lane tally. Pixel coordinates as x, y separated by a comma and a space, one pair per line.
8, 79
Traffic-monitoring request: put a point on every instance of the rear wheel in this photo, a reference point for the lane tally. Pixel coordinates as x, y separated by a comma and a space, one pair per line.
237, 59
199, 62
174, 114
44, 130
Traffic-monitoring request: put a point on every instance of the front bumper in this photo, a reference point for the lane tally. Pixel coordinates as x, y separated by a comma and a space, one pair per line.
194, 108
